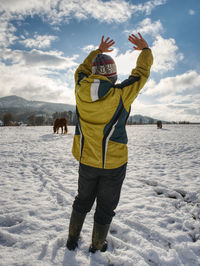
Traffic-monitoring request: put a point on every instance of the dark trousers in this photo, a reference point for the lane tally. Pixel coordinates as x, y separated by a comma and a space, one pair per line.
104, 185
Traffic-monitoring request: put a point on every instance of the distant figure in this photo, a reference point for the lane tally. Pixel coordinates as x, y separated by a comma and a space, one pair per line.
60, 122
159, 124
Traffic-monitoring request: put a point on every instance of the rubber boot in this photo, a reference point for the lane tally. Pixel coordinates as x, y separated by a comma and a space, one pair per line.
99, 235
75, 226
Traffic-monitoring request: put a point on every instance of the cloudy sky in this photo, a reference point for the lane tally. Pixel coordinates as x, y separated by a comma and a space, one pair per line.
43, 41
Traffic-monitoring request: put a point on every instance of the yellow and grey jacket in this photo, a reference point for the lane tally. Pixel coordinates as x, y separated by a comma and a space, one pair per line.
100, 138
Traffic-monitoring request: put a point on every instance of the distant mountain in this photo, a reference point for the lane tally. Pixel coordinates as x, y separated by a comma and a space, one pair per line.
10, 103
139, 119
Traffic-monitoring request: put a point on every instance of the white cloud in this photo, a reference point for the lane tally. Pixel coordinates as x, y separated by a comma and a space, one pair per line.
37, 58
169, 108
166, 54
7, 32
172, 99
168, 112
38, 75
191, 12
35, 84
173, 85
89, 48
147, 27
58, 10
156, 111
110, 11
39, 41
148, 6
24, 7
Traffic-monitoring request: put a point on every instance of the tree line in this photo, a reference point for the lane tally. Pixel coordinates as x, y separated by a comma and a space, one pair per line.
39, 119
10, 119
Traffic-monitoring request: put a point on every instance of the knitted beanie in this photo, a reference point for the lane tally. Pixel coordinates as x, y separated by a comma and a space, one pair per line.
104, 65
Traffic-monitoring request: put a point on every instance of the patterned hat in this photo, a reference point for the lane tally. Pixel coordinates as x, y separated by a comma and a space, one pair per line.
104, 65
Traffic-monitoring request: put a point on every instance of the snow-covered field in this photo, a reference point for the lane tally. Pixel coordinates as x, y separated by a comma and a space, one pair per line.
157, 221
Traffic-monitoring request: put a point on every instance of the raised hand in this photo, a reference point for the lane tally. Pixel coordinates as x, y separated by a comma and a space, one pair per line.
105, 45
139, 43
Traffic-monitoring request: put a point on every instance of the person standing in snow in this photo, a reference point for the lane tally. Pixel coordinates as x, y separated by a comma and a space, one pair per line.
100, 137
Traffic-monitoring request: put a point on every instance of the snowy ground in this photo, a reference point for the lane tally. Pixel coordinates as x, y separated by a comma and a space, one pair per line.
158, 217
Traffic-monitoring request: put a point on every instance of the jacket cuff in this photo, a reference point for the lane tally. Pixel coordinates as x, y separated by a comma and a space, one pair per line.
99, 51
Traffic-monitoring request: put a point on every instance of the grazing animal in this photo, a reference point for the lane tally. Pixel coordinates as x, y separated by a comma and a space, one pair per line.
159, 124
60, 123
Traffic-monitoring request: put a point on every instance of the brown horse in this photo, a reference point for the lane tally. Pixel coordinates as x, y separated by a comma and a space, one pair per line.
60, 122
159, 124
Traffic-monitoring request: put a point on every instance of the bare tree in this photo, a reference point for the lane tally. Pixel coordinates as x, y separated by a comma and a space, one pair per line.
7, 118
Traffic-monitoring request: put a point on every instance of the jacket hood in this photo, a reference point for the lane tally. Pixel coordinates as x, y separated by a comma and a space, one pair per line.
94, 88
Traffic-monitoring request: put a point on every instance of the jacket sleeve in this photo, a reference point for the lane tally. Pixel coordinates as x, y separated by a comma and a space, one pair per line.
139, 75
85, 69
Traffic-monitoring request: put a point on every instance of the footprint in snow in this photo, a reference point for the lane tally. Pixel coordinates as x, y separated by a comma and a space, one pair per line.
9, 221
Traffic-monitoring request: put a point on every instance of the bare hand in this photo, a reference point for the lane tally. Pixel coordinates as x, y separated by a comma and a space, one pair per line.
105, 45
139, 43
